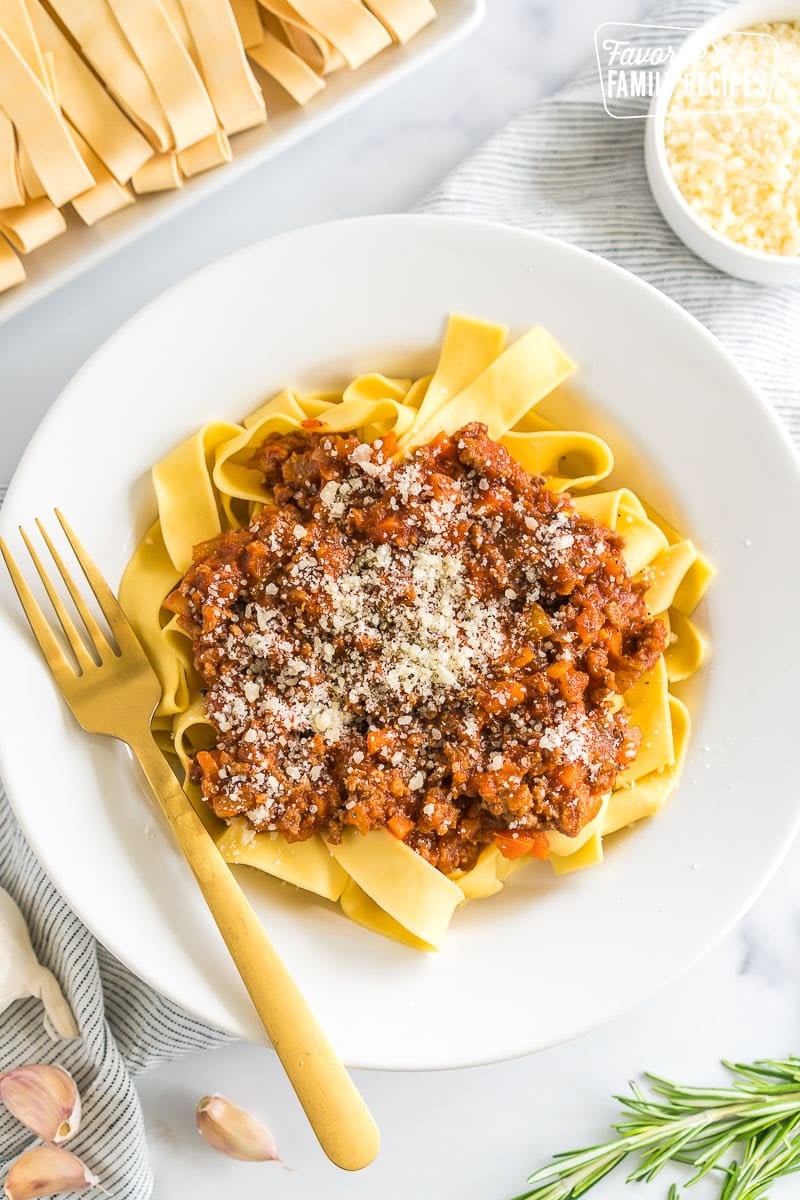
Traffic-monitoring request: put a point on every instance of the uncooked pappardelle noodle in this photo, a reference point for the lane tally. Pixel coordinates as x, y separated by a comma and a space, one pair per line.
407, 641
102, 101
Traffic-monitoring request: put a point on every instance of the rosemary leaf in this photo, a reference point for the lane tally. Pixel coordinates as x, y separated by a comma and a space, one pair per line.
758, 1116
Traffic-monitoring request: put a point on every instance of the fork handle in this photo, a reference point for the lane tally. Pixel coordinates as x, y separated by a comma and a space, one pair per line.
336, 1111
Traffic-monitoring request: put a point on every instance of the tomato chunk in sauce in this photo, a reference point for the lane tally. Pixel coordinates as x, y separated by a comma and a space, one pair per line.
434, 644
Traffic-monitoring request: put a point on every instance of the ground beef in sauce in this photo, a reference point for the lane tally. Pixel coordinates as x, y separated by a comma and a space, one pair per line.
436, 644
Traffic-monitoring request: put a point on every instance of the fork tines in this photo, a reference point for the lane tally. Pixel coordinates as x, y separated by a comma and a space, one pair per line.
100, 647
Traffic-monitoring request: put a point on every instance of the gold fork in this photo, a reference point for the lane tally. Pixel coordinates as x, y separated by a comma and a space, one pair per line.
114, 691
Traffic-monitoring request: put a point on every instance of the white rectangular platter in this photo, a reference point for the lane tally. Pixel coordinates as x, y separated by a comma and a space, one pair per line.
82, 247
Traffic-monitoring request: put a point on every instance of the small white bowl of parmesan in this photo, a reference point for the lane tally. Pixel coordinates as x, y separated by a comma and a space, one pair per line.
722, 145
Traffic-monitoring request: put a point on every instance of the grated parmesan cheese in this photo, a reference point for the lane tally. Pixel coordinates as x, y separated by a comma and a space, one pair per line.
735, 160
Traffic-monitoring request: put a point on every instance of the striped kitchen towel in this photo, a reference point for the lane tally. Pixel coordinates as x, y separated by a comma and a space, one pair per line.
125, 1028
564, 168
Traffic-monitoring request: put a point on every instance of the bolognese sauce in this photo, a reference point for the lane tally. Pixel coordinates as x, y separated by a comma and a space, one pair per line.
435, 644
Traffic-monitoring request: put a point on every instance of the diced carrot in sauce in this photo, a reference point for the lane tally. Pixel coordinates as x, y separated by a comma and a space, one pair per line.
207, 762
504, 696
389, 444
558, 669
569, 775
526, 845
377, 739
521, 658
400, 826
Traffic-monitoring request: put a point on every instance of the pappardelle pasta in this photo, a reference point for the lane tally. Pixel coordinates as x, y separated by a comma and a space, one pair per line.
407, 643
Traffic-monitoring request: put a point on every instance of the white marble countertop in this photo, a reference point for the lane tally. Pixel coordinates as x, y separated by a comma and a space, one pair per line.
473, 1134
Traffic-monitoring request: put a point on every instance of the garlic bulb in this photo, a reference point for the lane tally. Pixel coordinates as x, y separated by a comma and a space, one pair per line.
233, 1131
46, 1171
44, 1098
21, 974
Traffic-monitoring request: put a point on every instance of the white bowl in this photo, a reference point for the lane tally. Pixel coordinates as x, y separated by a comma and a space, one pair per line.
757, 266
547, 958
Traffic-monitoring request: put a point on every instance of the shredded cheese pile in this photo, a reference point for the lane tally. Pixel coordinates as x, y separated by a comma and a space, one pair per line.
735, 159
104, 100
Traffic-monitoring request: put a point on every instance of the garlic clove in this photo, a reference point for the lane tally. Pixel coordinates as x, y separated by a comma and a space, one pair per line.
46, 1171
43, 1097
233, 1131
59, 1021
21, 974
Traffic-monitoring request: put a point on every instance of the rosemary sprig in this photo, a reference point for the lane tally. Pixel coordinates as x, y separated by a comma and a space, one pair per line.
749, 1132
